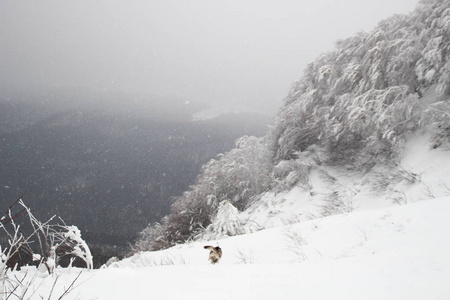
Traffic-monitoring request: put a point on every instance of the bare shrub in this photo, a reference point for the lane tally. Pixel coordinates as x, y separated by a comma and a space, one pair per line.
363, 233
44, 243
245, 256
337, 202
445, 187
295, 242
145, 260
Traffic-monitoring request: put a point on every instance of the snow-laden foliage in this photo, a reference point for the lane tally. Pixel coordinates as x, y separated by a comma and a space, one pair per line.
442, 136
79, 246
149, 239
227, 221
27, 240
295, 172
359, 100
238, 176
353, 107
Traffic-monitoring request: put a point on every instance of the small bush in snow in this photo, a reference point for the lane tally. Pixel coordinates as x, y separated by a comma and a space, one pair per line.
245, 256
295, 242
226, 222
45, 244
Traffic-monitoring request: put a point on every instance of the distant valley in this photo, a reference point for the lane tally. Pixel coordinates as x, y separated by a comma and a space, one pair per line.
108, 165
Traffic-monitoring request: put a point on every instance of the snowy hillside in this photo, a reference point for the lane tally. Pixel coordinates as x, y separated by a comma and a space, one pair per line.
423, 173
376, 249
339, 142
389, 253
346, 197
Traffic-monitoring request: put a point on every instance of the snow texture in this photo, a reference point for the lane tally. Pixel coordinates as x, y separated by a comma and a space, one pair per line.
390, 253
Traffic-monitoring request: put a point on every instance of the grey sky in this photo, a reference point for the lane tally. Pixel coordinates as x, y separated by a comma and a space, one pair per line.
241, 52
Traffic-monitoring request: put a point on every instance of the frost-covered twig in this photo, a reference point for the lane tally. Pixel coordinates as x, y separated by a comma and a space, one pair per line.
48, 237
363, 232
445, 186
295, 242
245, 257
70, 288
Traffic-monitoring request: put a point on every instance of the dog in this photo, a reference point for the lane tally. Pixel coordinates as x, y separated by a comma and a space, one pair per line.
215, 254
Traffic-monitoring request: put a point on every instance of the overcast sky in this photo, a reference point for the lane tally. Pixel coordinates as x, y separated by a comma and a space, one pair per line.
241, 52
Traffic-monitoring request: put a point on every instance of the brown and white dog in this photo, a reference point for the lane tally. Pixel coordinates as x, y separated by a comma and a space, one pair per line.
215, 254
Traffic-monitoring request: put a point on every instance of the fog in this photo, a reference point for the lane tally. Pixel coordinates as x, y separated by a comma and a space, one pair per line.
234, 52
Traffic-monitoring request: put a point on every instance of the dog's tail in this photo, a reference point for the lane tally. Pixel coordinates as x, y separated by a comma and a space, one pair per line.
211, 248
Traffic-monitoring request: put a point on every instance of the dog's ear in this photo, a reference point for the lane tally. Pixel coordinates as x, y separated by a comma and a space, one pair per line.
219, 251
211, 248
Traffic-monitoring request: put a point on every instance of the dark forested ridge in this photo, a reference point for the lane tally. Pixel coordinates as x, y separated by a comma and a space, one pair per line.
109, 171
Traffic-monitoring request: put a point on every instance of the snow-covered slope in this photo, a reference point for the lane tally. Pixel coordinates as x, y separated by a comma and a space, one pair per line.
389, 253
336, 143
376, 248
352, 212
423, 173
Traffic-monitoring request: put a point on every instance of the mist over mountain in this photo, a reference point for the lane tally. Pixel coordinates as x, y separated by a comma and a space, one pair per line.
108, 162
344, 125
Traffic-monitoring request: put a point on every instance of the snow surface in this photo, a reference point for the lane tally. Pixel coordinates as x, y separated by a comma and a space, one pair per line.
390, 253
377, 249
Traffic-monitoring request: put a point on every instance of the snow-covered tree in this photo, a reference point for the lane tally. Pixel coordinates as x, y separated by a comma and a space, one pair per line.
238, 175
150, 238
360, 99
433, 67
226, 222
